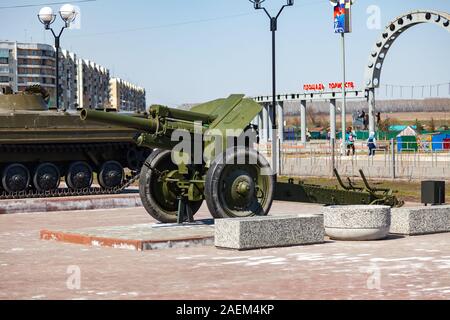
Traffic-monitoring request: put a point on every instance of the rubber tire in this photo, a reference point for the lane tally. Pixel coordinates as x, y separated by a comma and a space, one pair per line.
146, 181
36, 185
213, 177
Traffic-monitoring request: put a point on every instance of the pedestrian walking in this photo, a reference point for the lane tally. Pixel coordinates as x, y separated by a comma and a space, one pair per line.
372, 144
378, 118
350, 141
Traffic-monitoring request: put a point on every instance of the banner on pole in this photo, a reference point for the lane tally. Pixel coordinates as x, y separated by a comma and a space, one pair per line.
342, 16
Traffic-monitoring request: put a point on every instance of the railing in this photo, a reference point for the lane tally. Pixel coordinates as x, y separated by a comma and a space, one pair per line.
390, 160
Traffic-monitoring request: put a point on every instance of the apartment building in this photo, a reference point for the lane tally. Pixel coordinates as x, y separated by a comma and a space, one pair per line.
25, 64
92, 84
68, 80
125, 96
83, 83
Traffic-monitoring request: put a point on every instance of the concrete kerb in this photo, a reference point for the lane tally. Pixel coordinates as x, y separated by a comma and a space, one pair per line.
70, 203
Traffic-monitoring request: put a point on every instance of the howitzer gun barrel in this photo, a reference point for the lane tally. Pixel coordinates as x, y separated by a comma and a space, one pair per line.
147, 125
178, 118
178, 114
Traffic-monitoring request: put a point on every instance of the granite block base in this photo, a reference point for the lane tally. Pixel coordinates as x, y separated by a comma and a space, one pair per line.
266, 232
421, 220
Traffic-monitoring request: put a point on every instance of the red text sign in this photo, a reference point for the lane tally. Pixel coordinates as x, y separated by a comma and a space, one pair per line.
331, 86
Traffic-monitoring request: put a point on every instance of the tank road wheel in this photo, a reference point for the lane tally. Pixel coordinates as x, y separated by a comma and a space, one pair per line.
110, 175
46, 177
79, 175
239, 190
158, 196
15, 178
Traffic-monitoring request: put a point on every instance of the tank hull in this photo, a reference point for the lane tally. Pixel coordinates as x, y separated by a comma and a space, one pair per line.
37, 147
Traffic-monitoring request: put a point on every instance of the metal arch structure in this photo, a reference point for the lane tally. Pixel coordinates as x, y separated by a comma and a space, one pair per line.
385, 42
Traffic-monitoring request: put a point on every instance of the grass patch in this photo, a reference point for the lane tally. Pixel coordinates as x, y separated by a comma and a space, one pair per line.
406, 191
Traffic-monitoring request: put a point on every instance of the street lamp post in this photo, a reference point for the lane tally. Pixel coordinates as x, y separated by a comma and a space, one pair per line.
47, 17
342, 25
273, 29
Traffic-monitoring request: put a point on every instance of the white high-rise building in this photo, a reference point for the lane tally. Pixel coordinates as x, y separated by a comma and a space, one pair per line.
83, 83
25, 64
92, 84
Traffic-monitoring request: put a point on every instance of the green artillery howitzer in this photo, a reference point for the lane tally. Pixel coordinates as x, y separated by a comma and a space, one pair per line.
216, 162
219, 165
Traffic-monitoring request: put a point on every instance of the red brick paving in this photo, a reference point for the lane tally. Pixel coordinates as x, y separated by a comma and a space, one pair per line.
399, 268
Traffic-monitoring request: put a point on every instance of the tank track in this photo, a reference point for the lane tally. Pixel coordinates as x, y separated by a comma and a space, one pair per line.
66, 192
61, 147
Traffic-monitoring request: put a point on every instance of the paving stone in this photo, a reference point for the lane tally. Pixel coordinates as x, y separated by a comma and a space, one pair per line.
265, 232
357, 223
406, 267
420, 220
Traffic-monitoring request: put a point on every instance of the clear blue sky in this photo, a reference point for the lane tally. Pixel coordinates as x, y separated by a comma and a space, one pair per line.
230, 52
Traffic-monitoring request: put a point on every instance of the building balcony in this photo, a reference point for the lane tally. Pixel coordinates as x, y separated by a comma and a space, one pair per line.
36, 66
21, 56
26, 84
33, 75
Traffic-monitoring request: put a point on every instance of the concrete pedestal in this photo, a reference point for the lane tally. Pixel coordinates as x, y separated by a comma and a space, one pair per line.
138, 237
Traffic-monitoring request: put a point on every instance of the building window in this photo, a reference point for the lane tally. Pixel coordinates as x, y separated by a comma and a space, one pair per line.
4, 53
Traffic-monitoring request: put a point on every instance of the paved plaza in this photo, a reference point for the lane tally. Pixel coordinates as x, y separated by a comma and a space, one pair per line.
30, 268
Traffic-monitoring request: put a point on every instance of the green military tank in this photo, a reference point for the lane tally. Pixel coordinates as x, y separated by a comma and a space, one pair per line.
41, 147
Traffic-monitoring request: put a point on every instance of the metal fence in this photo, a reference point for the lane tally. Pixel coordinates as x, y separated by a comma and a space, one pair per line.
390, 160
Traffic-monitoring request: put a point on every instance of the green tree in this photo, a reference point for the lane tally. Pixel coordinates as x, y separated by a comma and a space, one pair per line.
419, 126
384, 125
432, 125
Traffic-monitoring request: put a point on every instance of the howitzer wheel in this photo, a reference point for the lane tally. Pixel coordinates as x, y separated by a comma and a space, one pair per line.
239, 184
159, 197
46, 177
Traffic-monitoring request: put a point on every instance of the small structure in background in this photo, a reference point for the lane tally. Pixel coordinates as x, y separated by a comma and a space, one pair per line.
410, 140
407, 140
433, 192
